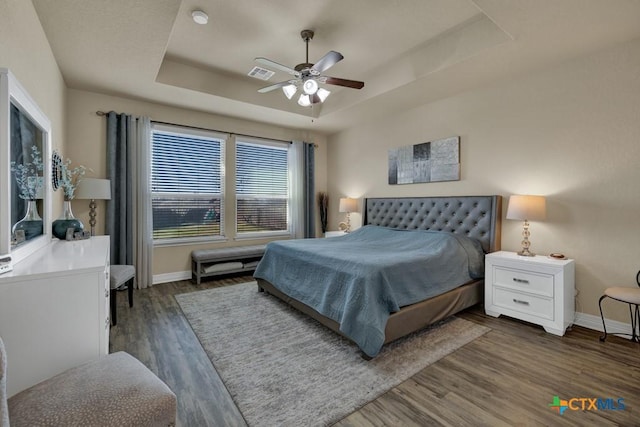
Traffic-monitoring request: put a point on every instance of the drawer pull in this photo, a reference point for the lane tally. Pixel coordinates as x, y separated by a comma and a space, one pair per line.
515, 279
106, 293
519, 301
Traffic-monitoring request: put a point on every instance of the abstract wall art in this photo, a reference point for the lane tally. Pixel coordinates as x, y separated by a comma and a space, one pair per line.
432, 161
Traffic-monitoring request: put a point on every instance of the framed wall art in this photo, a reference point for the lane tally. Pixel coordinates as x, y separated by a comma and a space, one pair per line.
432, 161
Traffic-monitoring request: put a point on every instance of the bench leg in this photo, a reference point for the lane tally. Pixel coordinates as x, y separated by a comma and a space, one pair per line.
130, 292
196, 272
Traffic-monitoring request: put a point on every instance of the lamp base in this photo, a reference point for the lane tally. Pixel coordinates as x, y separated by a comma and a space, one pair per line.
92, 216
525, 240
526, 252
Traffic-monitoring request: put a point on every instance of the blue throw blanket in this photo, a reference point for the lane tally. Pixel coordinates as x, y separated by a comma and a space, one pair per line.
359, 279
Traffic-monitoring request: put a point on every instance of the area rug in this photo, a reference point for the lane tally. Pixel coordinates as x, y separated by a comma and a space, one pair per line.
283, 368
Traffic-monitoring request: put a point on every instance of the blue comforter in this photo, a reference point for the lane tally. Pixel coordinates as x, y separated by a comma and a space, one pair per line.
359, 279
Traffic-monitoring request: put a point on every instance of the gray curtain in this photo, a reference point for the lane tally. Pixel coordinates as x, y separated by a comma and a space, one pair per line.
119, 224
309, 191
129, 219
302, 198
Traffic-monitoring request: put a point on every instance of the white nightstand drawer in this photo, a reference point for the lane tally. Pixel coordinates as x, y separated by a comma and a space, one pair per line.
535, 289
334, 233
536, 283
524, 303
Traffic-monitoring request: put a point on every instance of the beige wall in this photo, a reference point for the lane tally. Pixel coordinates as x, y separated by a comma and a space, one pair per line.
87, 146
571, 133
25, 51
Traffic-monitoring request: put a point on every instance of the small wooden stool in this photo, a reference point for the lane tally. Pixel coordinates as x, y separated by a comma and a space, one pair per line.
629, 296
119, 275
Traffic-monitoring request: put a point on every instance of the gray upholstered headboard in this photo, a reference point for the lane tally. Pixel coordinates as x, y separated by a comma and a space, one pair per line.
474, 216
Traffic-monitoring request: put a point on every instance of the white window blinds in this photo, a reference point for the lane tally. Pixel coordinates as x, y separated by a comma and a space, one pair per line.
187, 181
262, 187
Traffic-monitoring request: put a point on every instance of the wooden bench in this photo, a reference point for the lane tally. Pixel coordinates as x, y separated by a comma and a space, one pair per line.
214, 262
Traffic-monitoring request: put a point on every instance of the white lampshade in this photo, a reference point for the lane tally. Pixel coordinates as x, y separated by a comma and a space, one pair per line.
305, 100
310, 86
323, 94
94, 188
531, 208
289, 91
348, 205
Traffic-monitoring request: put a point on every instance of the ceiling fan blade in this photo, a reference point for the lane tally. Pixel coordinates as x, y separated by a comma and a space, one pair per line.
329, 60
353, 84
280, 67
274, 87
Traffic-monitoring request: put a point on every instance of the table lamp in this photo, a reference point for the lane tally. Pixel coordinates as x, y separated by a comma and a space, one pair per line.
526, 208
93, 189
348, 205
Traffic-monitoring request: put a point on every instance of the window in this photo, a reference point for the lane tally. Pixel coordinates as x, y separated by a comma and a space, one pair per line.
262, 187
187, 181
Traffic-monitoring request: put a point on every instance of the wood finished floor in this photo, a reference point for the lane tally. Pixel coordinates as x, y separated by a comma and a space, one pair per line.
507, 377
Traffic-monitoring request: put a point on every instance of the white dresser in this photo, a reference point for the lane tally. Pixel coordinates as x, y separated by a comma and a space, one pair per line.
54, 310
536, 289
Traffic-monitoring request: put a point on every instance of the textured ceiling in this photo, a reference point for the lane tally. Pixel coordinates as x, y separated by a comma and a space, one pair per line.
407, 52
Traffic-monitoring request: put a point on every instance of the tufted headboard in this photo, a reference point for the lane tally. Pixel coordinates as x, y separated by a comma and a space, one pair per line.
474, 216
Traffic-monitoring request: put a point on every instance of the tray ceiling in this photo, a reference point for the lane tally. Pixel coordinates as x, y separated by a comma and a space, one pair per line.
408, 52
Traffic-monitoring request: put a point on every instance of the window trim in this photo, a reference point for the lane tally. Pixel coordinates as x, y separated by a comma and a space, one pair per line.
198, 133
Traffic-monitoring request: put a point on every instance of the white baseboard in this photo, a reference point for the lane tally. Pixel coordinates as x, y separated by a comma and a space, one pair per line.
171, 277
595, 322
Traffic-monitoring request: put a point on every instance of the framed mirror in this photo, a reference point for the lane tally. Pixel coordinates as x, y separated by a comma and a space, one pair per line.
25, 168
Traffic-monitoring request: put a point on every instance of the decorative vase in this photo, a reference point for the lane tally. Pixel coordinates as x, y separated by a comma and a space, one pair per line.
31, 224
66, 221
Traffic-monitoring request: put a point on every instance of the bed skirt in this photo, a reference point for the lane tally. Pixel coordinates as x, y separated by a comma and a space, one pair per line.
409, 319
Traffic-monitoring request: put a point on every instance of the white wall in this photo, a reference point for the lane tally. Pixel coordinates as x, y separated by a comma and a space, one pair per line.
87, 146
570, 132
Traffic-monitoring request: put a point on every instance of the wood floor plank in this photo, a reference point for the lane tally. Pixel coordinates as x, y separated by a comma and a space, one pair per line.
506, 377
157, 333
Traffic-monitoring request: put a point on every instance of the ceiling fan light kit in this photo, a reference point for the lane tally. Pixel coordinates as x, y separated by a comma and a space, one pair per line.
308, 76
323, 94
289, 90
304, 100
310, 86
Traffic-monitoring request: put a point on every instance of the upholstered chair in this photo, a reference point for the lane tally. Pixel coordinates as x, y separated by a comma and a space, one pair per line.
115, 390
119, 275
629, 296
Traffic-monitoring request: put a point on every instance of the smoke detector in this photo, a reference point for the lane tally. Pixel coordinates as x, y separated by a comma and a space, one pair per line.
199, 17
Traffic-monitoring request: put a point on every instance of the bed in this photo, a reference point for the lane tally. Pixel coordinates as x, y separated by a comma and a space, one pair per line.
370, 285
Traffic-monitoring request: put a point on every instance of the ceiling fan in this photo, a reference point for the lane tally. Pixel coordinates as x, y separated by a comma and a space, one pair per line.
307, 76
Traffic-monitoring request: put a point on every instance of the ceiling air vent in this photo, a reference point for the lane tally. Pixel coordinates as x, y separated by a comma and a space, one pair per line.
261, 73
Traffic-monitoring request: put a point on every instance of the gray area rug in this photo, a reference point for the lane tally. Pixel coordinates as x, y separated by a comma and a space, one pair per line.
283, 368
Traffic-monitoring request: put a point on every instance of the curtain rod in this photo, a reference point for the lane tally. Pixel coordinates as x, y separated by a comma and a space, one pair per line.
102, 113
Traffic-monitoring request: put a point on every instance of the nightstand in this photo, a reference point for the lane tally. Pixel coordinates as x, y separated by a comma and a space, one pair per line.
334, 233
536, 289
